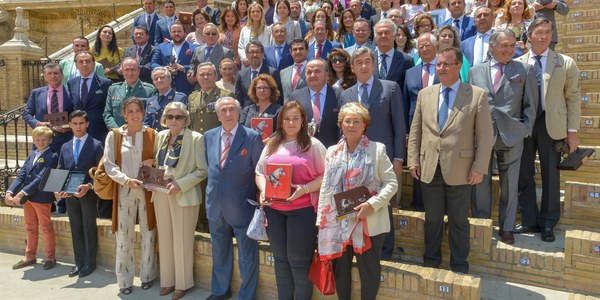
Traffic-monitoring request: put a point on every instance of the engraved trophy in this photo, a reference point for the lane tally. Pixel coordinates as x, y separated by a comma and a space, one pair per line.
193, 67
173, 65
313, 127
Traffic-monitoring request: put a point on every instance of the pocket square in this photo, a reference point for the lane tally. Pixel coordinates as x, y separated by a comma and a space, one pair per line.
336, 110
517, 78
243, 152
98, 92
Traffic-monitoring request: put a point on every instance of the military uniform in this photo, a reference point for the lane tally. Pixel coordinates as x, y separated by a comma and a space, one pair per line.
117, 93
202, 109
156, 106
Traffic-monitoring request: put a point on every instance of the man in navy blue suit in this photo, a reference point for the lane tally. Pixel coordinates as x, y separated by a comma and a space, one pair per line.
391, 64
232, 152
176, 56
463, 23
52, 98
80, 154
148, 19
321, 47
418, 78
278, 55
163, 26
90, 98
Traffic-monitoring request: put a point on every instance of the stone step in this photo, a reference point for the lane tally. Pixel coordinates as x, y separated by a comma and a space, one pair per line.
581, 208
590, 104
580, 27
578, 43
398, 280
586, 60
577, 15
583, 4
570, 263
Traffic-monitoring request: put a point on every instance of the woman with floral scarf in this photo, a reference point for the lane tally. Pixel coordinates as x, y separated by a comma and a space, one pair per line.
354, 162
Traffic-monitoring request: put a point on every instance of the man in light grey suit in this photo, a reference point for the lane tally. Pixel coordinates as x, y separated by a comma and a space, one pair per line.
547, 11
293, 77
211, 51
512, 94
383, 99
362, 32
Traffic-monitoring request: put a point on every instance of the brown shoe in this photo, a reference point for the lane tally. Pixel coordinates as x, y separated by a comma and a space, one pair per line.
166, 290
508, 237
178, 294
49, 264
23, 264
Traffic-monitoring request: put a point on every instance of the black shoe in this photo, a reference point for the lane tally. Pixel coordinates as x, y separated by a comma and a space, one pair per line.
519, 228
74, 271
547, 235
85, 271
225, 296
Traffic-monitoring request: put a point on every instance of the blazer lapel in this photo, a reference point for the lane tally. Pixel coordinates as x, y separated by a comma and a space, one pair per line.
375, 92
240, 136
551, 63
509, 69
76, 96
487, 74
459, 101
182, 55
44, 96
329, 103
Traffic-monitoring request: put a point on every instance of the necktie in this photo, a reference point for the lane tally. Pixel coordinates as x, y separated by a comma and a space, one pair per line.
498, 77
225, 151
425, 78
207, 55
539, 76
148, 21
278, 50
481, 55
138, 53
457, 25
319, 51
296, 76
316, 108
84, 92
364, 95
54, 102
383, 67
443, 113
385, 15
254, 74
76, 152
128, 91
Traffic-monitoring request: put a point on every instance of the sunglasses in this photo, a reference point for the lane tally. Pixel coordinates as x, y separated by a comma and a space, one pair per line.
336, 60
176, 117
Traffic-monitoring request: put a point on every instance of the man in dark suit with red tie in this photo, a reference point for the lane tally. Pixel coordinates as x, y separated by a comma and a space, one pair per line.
53, 98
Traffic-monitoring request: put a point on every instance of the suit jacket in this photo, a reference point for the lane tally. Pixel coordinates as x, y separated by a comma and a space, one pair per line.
155, 108
95, 103
242, 83
412, 87
303, 27
561, 8
463, 145
191, 168
286, 57
387, 115
37, 107
162, 58
329, 132
352, 48
367, 11
397, 69
117, 93
89, 156
513, 106
562, 96
162, 31
140, 20
217, 54
238, 172
468, 48
66, 65
287, 75
214, 14
327, 47
467, 27
145, 60
31, 173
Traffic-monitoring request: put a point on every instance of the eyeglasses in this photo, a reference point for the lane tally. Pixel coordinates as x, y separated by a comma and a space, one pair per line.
336, 60
425, 26
444, 64
176, 117
263, 88
211, 34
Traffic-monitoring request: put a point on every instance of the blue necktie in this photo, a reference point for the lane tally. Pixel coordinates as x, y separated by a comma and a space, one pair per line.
383, 68
207, 55
539, 76
457, 25
76, 154
278, 49
443, 113
364, 95
254, 74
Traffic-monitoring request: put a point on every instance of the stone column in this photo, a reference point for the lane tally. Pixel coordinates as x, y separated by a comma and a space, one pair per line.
13, 78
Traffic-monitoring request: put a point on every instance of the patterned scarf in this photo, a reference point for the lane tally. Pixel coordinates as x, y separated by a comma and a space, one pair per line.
345, 171
174, 151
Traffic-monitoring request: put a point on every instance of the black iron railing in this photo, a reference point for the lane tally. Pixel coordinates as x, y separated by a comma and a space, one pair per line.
13, 130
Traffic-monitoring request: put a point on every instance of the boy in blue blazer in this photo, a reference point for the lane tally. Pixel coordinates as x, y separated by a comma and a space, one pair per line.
37, 204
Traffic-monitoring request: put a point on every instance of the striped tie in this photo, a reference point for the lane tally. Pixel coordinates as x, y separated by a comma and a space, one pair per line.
54, 102
225, 151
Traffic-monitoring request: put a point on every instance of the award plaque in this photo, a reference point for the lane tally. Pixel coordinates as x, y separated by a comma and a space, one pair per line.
153, 179
264, 126
279, 182
59, 119
58, 180
346, 201
74, 179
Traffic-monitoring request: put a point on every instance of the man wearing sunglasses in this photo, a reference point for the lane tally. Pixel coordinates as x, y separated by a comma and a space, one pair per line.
211, 51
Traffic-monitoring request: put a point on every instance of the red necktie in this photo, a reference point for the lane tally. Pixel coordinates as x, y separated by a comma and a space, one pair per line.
139, 53
319, 51
225, 151
498, 77
425, 79
316, 108
296, 76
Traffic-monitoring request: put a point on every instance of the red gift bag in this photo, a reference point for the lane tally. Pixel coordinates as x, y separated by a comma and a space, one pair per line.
321, 275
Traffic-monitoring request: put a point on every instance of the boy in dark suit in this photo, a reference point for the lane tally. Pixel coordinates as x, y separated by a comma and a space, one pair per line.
37, 204
80, 154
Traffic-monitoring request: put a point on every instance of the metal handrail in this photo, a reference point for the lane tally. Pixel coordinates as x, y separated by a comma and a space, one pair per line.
13, 116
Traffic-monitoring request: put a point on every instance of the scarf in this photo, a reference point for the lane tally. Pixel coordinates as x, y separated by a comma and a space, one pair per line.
345, 171
173, 152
